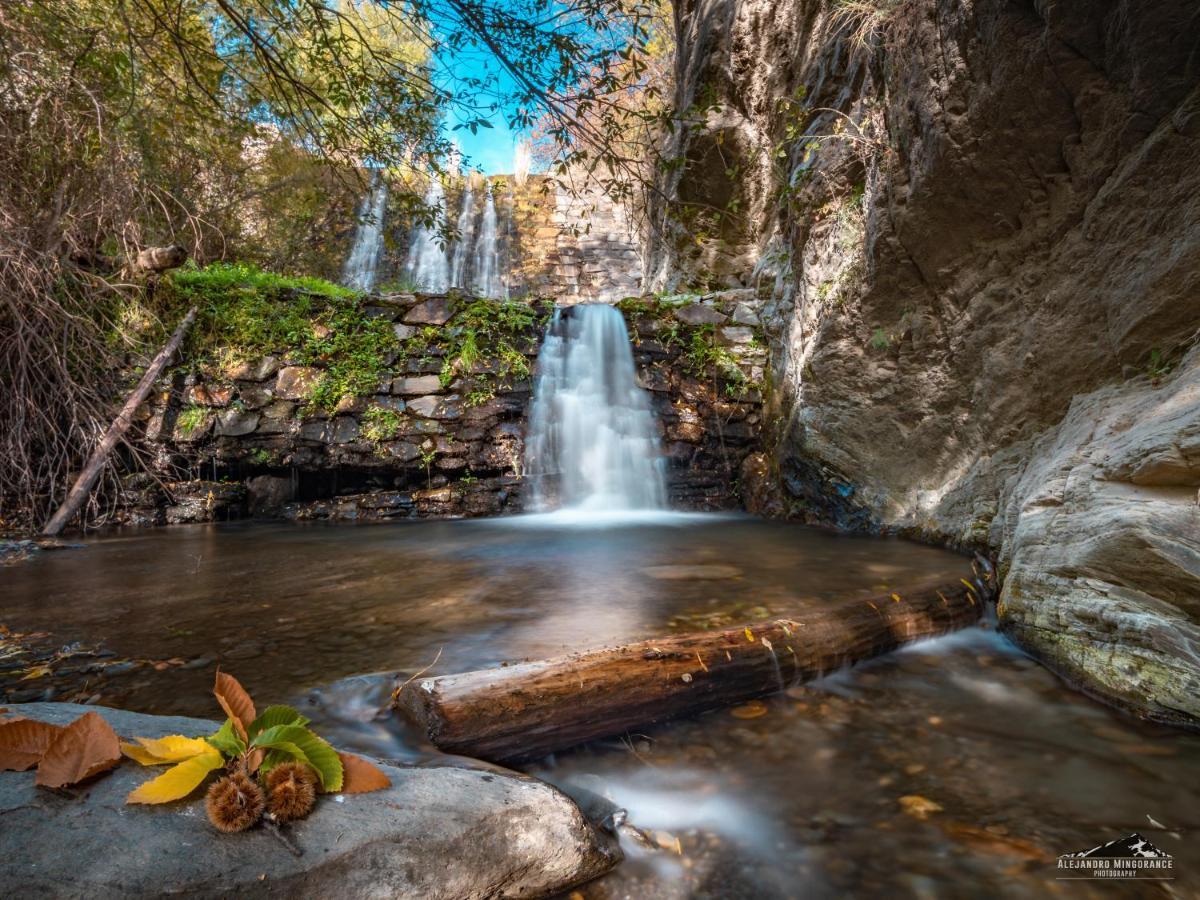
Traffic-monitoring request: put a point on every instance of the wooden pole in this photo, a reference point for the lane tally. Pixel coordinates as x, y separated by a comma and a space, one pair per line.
95, 465
524, 711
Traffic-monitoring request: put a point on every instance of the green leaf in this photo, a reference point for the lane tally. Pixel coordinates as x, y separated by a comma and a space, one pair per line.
226, 740
274, 716
316, 752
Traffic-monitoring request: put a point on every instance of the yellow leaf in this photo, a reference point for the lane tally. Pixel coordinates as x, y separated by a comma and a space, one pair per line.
749, 634
141, 754
172, 748
178, 781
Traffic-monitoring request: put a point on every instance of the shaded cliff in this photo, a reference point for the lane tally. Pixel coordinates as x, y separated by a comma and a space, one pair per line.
980, 227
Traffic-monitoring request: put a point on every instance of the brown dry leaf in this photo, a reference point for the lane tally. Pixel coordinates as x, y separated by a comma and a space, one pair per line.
235, 701
254, 759
360, 776
751, 710
86, 747
919, 807
23, 741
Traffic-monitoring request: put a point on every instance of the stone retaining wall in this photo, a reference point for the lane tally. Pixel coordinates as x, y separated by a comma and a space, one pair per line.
241, 442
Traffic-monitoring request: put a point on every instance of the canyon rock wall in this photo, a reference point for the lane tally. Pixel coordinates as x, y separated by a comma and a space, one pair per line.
980, 226
244, 439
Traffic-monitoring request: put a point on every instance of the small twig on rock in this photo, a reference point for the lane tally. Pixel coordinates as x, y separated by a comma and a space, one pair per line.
417, 674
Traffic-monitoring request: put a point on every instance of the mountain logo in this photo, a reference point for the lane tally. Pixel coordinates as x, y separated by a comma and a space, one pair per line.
1128, 857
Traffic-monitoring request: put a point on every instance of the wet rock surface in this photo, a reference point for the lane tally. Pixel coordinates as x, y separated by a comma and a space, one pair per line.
977, 257
437, 832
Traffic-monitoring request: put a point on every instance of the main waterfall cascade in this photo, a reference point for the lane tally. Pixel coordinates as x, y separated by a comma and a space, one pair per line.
593, 443
363, 261
428, 266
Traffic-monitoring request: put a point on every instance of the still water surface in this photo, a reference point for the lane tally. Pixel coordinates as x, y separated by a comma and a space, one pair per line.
953, 768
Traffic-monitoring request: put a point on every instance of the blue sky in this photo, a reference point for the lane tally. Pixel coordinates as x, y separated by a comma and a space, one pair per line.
489, 149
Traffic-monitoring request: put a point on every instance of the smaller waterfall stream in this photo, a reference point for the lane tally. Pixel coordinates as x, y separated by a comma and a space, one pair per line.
363, 261
466, 238
428, 265
488, 279
593, 442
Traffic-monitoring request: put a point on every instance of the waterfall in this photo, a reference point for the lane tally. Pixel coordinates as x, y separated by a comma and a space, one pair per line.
361, 264
488, 281
427, 264
593, 441
466, 238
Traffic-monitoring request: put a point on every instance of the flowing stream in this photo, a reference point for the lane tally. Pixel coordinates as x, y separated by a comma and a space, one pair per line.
363, 262
428, 266
593, 442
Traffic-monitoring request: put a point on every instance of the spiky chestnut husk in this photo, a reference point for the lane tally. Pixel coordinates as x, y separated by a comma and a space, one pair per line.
234, 803
292, 791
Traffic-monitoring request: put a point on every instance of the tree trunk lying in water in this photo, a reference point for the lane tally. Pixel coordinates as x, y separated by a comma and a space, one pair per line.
524, 711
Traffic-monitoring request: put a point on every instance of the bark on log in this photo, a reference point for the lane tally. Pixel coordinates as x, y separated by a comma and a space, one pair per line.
95, 465
524, 711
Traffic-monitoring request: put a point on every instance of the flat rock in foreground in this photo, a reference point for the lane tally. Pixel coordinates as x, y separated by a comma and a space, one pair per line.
435, 833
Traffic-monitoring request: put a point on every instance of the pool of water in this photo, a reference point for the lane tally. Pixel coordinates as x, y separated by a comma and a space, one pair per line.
956, 767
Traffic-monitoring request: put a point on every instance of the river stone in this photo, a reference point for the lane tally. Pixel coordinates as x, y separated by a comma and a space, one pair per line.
698, 314
435, 311
437, 832
296, 382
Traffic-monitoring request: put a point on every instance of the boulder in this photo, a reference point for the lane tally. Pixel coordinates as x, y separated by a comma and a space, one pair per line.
434, 311
437, 832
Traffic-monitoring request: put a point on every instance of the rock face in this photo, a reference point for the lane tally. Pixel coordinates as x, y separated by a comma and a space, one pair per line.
980, 228
435, 833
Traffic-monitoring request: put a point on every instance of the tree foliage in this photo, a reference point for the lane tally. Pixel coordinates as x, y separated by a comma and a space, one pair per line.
241, 129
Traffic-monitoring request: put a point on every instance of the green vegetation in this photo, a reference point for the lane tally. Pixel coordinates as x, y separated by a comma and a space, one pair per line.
1157, 366
494, 331
245, 312
381, 423
191, 418
879, 340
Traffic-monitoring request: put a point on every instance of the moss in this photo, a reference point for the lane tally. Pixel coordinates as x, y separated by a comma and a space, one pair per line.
191, 418
245, 312
379, 423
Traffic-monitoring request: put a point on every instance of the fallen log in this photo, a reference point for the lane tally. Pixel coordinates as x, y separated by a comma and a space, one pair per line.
95, 465
526, 710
